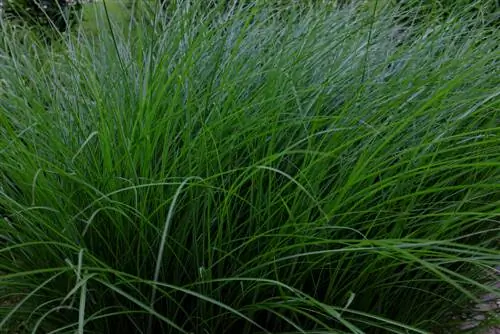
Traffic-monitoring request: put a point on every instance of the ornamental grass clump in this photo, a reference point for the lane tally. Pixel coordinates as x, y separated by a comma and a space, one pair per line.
305, 172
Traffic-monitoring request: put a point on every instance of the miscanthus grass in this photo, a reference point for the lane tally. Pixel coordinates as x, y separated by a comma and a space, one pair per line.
260, 171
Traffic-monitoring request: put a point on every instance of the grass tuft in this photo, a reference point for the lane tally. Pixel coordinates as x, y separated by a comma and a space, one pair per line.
293, 170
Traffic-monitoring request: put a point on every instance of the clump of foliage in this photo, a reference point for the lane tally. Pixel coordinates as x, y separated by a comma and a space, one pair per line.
58, 14
249, 173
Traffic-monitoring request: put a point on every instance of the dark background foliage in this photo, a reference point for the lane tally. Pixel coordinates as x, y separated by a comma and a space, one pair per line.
58, 14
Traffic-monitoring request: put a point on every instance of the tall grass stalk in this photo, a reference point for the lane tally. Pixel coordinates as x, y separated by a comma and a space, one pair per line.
299, 170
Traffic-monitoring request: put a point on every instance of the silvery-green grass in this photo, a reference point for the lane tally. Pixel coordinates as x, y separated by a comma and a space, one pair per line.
294, 170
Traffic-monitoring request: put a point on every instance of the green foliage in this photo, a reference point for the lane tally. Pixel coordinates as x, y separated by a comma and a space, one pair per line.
419, 10
248, 173
58, 14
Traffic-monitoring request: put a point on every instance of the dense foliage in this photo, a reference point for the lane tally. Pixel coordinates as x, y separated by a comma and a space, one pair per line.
276, 170
58, 14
